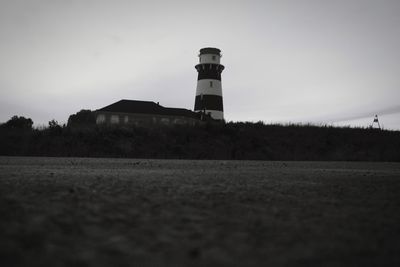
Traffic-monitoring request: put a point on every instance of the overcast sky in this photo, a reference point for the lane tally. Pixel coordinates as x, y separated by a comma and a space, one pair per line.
319, 61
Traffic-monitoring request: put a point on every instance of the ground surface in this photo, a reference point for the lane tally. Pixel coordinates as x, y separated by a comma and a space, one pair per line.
128, 212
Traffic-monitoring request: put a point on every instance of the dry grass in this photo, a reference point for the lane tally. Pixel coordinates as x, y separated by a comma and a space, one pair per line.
122, 212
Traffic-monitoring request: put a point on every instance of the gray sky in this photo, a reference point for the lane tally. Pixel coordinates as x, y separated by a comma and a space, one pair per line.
319, 61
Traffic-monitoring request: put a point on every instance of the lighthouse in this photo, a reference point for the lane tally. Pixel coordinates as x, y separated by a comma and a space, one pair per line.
209, 90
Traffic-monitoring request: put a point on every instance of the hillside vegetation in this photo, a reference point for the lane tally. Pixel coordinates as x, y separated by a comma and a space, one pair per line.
239, 140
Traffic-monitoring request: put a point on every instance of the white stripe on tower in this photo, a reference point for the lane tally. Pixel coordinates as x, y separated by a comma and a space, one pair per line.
209, 89
203, 87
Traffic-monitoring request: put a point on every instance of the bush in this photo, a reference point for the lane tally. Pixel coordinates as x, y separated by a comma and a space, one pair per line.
19, 123
242, 141
83, 118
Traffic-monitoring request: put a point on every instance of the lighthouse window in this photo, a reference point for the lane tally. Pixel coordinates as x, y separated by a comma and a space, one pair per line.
211, 84
214, 57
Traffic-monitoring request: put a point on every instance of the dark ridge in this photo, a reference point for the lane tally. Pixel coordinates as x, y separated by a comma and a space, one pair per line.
228, 141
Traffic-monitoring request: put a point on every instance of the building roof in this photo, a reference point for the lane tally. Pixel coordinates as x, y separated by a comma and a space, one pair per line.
147, 107
210, 50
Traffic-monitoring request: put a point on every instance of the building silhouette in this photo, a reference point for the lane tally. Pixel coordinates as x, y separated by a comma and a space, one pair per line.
144, 113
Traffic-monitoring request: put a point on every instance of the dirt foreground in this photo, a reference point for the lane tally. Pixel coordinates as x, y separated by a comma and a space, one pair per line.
129, 212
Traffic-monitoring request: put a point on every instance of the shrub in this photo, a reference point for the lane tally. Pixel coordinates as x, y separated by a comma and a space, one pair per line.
84, 117
19, 123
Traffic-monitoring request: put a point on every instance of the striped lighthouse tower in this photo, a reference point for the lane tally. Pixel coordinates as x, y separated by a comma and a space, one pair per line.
209, 90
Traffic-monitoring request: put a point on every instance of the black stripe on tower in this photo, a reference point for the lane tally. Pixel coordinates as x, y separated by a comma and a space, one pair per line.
208, 102
209, 71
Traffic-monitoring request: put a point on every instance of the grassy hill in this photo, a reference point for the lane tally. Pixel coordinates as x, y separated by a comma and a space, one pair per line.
240, 140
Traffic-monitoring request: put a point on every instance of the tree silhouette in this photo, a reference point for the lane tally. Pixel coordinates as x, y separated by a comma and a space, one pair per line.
85, 117
19, 123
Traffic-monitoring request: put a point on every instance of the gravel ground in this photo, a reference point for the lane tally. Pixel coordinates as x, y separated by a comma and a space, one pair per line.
130, 212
